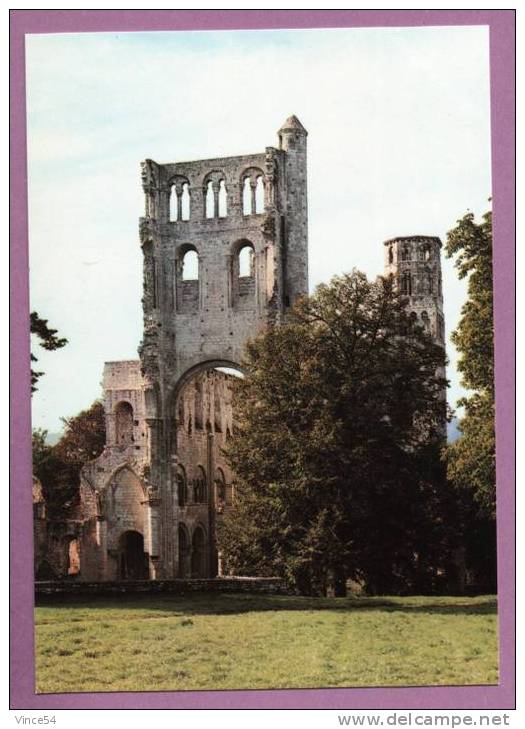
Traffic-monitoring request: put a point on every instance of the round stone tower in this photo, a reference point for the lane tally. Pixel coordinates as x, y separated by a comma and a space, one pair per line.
294, 209
415, 262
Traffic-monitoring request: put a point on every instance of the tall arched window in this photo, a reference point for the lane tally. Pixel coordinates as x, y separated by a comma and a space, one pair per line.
246, 261
179, 201
199, 487
190, 266
246, 197
187, 285
406, 283
174, 205
390, 255
223, 200
124, 423
243, 274
424, 253
185, 202
253, 182
182, 489
210, 200
405, 253
259, 195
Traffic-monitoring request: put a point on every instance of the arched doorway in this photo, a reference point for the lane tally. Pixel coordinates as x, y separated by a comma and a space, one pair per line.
198, 553
133, 562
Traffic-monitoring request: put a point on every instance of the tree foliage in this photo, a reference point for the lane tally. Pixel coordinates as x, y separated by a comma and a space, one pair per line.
471, 459
336, 446
58, 467
47, 338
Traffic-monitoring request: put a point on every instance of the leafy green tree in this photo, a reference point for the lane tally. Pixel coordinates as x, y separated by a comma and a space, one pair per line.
41, 449
47, 338
339, 423
471, 460
42, 452
84, 436
58, 467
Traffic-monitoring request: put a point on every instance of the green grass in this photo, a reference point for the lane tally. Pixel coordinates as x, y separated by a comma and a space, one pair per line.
227, 641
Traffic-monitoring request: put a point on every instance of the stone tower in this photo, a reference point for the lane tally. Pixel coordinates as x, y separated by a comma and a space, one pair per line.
415, 262
225, 253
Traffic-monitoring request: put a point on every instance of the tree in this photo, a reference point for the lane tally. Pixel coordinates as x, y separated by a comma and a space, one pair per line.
41, 449
47, 339
471, 460
58, 467
336, 446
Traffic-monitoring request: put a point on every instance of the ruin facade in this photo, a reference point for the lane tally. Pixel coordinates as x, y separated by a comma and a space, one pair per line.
225, 255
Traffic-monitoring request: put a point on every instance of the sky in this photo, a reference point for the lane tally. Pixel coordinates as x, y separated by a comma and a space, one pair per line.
398, 124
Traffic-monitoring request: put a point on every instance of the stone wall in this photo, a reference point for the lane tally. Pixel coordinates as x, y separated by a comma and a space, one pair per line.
49, 591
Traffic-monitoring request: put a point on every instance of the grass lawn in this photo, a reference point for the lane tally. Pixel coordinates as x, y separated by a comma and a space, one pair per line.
227, 641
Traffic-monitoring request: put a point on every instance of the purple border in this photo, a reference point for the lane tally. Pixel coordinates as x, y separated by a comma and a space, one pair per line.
502, 64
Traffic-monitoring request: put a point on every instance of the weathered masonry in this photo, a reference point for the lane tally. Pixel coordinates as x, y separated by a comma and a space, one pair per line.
225, 254
415, 261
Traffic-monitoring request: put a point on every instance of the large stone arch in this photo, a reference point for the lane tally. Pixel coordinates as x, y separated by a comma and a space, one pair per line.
195, 368
171, 405
110, 481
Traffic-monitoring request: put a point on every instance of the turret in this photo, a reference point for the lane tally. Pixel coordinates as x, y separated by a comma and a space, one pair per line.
294, 228
292, 135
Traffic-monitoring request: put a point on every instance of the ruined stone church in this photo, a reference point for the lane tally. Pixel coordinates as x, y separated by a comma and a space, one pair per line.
225, 254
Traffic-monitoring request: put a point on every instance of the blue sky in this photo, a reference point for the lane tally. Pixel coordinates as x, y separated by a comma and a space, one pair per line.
399, 144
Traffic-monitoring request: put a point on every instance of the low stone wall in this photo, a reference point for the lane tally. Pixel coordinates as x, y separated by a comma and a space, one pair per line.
45, 590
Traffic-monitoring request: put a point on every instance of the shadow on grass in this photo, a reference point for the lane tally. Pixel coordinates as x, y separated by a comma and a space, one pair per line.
235, 603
